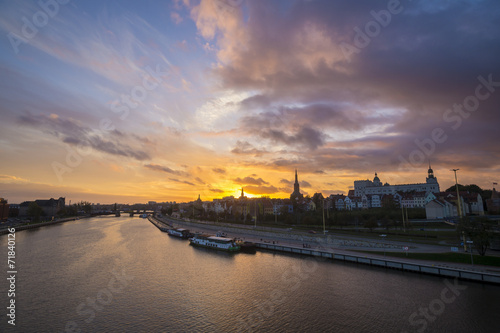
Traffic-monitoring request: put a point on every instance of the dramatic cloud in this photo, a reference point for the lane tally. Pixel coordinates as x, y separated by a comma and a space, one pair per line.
70, 132
161, 168
209, 90
396, 89
245, 148
303, 183
250, 180
182, 181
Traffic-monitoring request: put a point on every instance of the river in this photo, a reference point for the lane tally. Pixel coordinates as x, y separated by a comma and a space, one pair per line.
110, 274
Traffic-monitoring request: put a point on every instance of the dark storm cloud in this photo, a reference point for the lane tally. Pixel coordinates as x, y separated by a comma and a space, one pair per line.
71, 132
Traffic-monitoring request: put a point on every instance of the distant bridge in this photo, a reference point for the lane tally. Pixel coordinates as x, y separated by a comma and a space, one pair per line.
123, 212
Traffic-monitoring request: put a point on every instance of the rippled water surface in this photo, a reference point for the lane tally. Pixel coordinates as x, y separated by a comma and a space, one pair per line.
124, 275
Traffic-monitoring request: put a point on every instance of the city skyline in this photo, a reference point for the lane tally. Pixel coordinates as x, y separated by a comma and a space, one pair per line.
127, 102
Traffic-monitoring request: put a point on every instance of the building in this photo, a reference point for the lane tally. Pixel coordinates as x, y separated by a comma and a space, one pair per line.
444, 205
440, 209
4, 209
49, 207
375, 187
474, 201
296, 195
493, 204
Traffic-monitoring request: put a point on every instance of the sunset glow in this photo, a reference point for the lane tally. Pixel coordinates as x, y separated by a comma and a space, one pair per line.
167, 100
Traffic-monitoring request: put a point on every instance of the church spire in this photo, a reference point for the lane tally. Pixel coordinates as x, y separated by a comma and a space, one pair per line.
296, 188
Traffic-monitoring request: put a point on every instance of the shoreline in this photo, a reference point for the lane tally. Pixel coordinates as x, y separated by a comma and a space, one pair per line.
41, 224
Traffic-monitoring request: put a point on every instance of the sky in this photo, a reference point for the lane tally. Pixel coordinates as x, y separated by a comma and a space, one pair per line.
128, 101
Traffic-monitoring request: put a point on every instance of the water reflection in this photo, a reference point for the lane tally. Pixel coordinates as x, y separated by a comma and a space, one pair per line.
178, 287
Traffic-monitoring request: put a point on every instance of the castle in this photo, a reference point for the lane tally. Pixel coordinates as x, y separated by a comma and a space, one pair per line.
362, 187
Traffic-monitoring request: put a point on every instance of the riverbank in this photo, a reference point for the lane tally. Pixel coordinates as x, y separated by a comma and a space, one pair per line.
5, 230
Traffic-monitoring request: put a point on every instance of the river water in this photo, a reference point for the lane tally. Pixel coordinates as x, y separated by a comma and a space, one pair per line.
122, 274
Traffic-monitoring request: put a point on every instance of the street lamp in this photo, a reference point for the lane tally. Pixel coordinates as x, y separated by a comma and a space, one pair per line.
458, 194
383, 237
470, 246
324, 229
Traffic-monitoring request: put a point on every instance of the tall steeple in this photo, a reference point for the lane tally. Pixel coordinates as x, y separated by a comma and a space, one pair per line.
296, 188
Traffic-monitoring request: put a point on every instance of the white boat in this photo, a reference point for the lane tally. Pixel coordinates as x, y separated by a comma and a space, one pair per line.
214, 242
179, 232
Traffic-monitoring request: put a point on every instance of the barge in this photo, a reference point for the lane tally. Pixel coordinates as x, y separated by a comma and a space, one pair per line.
214, 242
179, 232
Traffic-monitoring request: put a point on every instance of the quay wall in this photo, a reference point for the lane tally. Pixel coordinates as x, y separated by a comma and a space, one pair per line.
388, 263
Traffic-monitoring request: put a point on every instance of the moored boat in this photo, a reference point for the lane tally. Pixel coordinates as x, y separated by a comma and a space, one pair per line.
214, 242
179, 232
247, 247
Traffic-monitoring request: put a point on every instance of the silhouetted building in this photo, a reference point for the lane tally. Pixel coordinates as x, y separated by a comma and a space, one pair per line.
50, 207
242, 194
4, 209
296, 195
493, 204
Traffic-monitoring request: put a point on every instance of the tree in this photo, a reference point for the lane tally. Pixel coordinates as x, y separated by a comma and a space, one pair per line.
34, 211
477, 230
370, 224
167, 211
87, 207
318, 200
472, 188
